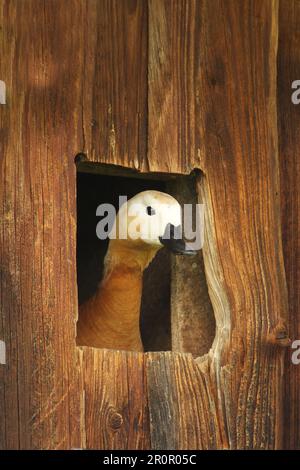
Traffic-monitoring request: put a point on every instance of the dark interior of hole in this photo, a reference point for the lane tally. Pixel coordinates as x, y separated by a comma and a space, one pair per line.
92, 190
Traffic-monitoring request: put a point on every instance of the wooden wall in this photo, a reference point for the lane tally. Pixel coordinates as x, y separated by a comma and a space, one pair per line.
289, 134
155, 85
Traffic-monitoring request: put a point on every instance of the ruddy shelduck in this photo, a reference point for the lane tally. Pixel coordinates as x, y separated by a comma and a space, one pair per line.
147, 222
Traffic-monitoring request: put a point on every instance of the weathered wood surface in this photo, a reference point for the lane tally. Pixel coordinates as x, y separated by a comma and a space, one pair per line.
114, 101
192, 316
236, 119
40, 130
211, 103
173, 85
115, 407
185, 416
289, 133
44, 56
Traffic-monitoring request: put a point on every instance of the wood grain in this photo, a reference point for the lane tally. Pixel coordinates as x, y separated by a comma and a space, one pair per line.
115, 410
173, 85
289, 125
114, 101
192, 317
242, 183
78, 82
40, 132
185, 417
237, 123
44, 57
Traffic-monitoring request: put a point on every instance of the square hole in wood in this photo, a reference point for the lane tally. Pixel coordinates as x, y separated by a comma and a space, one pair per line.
176, 313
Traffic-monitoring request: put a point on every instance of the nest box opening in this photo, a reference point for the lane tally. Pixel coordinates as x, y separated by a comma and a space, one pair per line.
176, 312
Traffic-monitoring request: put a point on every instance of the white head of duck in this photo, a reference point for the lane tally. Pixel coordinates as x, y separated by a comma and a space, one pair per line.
146, 223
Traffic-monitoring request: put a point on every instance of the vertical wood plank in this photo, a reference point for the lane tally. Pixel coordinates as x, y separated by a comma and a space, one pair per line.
233, 397
241, 151
116, 411
40, 132
51, 83
235, 60
192, 317
289, 127
182, 411
115, 82
242, 176
173, 96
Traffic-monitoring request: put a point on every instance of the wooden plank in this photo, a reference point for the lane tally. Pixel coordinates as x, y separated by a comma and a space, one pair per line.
42, 387
115, 82
192, 316
240, 152
173, 136
289, 125
114, 109
182, 412
116, 411
40, 133
233, 397
235, 60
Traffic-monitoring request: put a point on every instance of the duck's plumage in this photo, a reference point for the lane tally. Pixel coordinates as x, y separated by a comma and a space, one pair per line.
110, 319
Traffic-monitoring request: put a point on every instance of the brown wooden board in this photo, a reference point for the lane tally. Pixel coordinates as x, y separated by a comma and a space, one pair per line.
78, 74
289, 134
114, 101
44, 384
182, 414
235, 72
192, 316
173, 85
115, 400
40, 132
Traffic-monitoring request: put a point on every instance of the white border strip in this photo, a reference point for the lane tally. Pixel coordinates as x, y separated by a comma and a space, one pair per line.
2, 352
2, 92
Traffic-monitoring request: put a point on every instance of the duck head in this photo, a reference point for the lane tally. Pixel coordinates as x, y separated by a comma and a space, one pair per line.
151, 220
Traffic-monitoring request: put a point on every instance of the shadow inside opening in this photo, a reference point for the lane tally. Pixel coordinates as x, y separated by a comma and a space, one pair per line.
95, 189
176, 311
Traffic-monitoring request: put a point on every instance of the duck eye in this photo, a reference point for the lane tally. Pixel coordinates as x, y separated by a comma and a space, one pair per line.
150, 210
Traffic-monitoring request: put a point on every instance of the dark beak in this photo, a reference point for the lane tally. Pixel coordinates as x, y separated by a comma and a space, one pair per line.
174, 241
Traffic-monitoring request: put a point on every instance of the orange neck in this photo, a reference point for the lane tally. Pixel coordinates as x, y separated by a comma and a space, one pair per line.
111, 318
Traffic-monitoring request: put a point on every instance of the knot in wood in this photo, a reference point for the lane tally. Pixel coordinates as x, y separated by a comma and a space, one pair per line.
279, 336
114, 419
